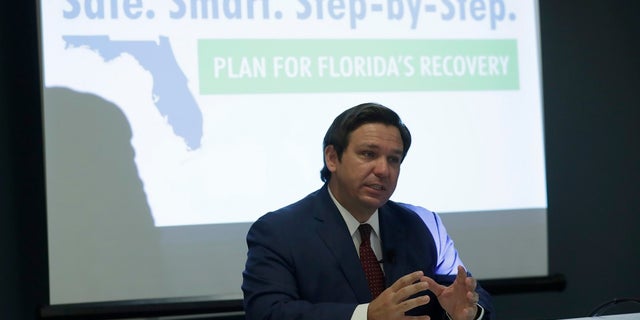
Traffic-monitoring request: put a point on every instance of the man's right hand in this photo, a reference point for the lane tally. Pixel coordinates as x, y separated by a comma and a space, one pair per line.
393, 302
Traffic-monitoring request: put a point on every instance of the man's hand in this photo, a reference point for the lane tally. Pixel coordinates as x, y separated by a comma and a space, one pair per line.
392, 303
459, 299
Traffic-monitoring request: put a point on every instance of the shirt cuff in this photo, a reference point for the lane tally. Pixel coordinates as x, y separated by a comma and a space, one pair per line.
479, 313
360, 313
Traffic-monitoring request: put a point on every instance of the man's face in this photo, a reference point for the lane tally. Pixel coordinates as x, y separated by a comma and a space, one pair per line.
367, 175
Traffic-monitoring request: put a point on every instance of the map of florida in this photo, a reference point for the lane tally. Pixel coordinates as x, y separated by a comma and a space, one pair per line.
170, 92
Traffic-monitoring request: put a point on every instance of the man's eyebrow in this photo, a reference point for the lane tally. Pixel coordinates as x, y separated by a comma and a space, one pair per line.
368, 146
377, 147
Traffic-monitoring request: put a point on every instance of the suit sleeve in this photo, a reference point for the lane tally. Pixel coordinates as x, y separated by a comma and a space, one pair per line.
448, 258
270, 280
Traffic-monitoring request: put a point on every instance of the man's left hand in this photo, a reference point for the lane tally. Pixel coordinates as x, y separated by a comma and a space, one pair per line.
460, 299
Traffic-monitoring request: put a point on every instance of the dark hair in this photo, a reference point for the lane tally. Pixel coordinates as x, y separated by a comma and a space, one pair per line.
340, 130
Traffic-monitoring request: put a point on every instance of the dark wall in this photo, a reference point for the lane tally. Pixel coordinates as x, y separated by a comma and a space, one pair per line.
11, 291
23, 262
591, 66
591, 71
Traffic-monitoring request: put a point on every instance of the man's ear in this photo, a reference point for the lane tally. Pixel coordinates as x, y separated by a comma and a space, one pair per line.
331, 158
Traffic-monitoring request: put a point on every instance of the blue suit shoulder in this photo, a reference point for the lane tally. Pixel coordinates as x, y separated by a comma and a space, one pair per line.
297, 210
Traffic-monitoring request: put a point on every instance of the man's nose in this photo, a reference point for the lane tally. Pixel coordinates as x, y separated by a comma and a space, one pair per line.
381, 168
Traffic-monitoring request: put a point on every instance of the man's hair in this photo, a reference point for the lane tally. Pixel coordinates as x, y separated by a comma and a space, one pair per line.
340, 130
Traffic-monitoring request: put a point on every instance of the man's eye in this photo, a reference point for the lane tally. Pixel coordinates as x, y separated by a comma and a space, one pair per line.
394, 160
368, 154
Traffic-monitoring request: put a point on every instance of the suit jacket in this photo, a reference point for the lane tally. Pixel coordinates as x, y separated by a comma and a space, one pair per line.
302, 263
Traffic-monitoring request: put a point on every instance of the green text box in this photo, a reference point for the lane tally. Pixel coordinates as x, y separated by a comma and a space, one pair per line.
230, 66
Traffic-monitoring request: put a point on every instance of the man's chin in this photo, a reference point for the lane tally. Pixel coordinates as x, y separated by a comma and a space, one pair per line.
376, 202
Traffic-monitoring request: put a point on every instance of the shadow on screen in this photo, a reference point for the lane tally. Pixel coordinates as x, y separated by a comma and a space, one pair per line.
103, 245
102, 242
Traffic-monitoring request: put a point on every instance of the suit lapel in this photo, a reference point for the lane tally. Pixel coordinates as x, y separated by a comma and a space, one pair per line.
334, 232
393, 237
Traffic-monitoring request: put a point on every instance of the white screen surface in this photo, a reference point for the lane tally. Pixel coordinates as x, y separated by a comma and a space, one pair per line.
182, 120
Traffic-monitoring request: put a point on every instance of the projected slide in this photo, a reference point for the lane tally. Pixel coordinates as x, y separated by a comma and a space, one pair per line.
172, 125
228, 100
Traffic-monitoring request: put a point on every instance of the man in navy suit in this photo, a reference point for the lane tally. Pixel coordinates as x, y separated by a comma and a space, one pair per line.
305, 261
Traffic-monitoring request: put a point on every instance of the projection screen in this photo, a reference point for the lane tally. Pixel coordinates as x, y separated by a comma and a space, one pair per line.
171, 125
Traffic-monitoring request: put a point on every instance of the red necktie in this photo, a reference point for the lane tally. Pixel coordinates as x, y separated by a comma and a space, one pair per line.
370, 263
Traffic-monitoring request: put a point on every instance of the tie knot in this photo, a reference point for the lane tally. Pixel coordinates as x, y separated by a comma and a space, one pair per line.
365, 231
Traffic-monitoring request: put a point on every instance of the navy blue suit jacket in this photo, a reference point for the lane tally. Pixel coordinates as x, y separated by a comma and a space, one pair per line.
302, 263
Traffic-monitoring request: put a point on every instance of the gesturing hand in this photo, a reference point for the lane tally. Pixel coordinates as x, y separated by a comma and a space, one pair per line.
392, 303
460, 298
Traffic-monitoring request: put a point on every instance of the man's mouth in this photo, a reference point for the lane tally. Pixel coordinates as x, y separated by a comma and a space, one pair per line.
378, 187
